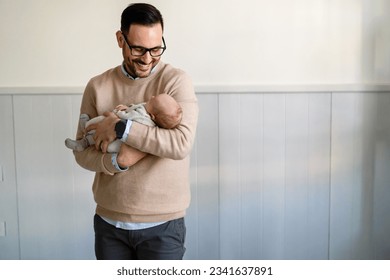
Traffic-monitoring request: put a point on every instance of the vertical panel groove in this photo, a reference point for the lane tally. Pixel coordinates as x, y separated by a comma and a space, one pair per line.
283, 248
240, 177
330, 169
219, 174
16, 176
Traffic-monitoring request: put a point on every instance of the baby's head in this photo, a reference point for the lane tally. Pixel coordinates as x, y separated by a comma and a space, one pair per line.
164, 110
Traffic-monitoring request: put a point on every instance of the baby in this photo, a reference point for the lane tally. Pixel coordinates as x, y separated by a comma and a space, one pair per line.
161, 110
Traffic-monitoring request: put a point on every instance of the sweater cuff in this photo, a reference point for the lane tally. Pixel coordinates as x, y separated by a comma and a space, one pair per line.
108, 167
114, 162
127, 131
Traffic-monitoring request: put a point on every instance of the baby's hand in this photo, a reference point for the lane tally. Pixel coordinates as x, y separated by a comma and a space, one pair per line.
121, 107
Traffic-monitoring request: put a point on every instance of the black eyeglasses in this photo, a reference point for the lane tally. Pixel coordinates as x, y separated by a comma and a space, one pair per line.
140, 51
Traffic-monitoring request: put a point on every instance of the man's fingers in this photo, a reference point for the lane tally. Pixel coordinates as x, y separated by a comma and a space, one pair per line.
91, 127
101, 145
104, 131
97, 145
104, 146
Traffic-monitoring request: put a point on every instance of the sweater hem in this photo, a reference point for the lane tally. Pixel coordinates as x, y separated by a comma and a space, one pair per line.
139, 218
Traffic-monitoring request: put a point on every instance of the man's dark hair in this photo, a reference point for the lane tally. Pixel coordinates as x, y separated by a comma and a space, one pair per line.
140, 13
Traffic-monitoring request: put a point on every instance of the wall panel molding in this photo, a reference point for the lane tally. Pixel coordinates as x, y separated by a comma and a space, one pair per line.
242, 89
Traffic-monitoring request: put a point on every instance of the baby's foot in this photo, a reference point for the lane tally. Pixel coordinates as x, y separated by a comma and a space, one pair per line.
75, 145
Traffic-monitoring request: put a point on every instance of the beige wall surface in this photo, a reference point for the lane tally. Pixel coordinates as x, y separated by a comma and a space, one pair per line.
252, 42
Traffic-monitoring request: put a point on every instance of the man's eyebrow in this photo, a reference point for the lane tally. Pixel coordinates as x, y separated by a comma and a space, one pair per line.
137, 46
141, 47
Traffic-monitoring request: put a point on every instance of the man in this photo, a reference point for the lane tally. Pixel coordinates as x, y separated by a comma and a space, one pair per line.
140, 210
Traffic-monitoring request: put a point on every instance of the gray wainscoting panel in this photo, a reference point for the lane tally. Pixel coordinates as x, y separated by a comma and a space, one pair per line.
9, 232
273, 176
381, 196
55, 200
357, 174
203, 215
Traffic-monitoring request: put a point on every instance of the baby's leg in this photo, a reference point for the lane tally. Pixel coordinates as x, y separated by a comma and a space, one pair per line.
78, 145
114, 147
82, 144
89, 138
90, 134
83, 120
94, 120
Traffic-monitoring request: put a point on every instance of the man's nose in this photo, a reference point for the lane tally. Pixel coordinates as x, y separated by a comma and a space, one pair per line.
147, 58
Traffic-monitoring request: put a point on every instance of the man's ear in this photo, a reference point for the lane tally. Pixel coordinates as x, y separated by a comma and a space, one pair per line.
119, 38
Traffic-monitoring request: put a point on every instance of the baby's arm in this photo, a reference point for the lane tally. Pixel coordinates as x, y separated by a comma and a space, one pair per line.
129, 156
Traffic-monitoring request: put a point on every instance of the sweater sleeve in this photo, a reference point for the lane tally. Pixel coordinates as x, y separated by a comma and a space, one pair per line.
90, 158
170, 143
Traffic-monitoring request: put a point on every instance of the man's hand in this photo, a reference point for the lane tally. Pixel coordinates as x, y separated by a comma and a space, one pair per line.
104, 131
121, 107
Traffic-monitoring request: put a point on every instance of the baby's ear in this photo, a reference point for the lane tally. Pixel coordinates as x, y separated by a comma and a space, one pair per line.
152, 117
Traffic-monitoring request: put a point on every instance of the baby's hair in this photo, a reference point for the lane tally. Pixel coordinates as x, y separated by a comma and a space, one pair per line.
169, 121
167, 112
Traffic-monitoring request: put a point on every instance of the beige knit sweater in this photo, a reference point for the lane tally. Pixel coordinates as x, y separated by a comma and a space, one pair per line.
156, 188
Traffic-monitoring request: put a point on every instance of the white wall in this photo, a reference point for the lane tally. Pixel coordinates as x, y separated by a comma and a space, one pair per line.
220, 42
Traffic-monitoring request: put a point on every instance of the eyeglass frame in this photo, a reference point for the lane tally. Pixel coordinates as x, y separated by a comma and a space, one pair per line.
145, 50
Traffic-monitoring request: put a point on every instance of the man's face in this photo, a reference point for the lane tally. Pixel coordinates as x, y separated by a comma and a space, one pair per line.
140, 36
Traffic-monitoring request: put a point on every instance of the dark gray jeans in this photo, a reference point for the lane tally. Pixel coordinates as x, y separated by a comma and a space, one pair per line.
163, 242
